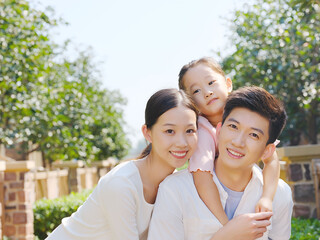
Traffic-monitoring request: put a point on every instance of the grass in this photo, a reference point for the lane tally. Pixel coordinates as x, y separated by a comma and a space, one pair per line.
305, 229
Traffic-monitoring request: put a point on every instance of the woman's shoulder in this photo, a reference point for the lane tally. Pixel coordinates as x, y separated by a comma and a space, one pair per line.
123, 173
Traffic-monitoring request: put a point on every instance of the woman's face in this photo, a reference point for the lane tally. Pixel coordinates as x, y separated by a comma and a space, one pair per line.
174, 137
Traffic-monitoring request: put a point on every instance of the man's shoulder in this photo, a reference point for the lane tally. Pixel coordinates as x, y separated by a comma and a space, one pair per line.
177, 179
283, 191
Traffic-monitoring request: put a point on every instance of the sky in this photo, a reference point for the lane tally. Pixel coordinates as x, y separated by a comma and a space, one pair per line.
143, 43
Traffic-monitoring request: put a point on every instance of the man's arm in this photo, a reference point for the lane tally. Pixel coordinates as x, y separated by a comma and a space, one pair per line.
166, 221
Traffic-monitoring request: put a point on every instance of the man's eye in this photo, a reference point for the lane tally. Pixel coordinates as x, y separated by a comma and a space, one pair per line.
255, 135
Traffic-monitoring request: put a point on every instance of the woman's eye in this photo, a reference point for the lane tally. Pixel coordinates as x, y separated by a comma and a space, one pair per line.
191, 131
169, 131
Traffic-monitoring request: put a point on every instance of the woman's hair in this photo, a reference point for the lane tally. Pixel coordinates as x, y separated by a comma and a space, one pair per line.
159, 103
208, 61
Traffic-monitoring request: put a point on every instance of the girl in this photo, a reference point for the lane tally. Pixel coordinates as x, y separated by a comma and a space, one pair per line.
205, 82
120, 207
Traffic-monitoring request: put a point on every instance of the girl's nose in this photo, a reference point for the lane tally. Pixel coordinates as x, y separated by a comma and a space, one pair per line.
208, 93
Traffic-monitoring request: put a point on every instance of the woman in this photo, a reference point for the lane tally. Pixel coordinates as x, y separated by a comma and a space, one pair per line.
120, 207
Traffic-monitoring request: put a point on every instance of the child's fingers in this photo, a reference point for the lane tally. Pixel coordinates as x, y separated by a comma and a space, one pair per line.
257, 208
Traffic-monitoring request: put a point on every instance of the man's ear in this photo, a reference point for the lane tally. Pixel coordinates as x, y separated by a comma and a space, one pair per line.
229, 84
270, 148
146, 133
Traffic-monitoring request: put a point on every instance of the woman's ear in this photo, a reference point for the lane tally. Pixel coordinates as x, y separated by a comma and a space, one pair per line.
146, 133
229, 84
270, 148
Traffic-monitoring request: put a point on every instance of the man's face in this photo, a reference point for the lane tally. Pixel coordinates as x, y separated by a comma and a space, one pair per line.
242, 139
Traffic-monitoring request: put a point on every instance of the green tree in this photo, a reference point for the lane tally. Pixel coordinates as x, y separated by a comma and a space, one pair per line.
277, 46
49, 103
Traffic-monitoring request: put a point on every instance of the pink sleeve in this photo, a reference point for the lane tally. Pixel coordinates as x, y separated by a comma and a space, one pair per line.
203, 157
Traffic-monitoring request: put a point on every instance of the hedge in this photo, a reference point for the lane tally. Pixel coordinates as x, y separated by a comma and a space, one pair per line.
49, 213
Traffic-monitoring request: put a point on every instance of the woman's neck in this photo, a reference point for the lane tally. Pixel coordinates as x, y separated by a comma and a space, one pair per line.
152, 173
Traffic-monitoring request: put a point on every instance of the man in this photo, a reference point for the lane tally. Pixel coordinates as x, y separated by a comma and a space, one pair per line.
252, 121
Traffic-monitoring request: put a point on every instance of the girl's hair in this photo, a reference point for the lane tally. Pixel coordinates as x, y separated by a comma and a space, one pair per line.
159, 103
208, 61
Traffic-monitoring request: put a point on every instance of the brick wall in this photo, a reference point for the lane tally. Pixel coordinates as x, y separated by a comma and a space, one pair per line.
300, 178
19, 196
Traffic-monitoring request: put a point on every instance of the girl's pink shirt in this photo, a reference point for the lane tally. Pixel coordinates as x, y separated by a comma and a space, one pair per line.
203, 157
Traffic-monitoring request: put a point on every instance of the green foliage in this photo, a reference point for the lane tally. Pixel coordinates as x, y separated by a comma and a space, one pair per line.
277, 47
48, 102
305, 229
49, 213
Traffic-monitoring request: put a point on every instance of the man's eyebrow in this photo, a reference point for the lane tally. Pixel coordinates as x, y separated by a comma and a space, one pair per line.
233, 120
256, 129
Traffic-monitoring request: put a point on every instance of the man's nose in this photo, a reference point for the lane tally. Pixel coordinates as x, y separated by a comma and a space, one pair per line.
239, 140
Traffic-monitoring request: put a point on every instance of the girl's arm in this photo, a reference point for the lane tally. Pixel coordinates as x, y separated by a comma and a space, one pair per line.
271, 173
248, 226
209, 194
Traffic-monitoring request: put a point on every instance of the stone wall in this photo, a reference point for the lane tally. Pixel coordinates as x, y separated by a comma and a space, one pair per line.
299, 176
19, 196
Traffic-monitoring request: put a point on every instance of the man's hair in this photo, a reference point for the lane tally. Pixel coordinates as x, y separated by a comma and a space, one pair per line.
260, 101
207, 61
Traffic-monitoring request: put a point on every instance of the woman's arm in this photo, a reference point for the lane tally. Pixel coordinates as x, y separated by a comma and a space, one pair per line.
117, 199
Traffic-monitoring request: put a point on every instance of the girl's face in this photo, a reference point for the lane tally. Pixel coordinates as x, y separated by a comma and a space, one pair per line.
208, 89
173, 137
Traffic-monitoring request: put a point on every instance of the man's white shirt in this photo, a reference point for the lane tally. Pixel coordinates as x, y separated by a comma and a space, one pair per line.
180, 214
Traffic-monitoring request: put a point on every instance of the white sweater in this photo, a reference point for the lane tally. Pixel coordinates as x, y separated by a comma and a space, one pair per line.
115, 210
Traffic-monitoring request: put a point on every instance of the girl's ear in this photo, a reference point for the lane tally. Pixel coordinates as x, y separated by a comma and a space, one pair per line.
146, 133
270, 148
229, 84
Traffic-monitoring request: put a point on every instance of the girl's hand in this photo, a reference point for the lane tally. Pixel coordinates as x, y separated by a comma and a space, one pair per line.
248, 226
264, 205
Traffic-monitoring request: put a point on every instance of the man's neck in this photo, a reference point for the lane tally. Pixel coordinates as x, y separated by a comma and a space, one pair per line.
234, 179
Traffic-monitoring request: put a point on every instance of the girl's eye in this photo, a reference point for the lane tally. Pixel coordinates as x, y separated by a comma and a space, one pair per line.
211, 82
196, 91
